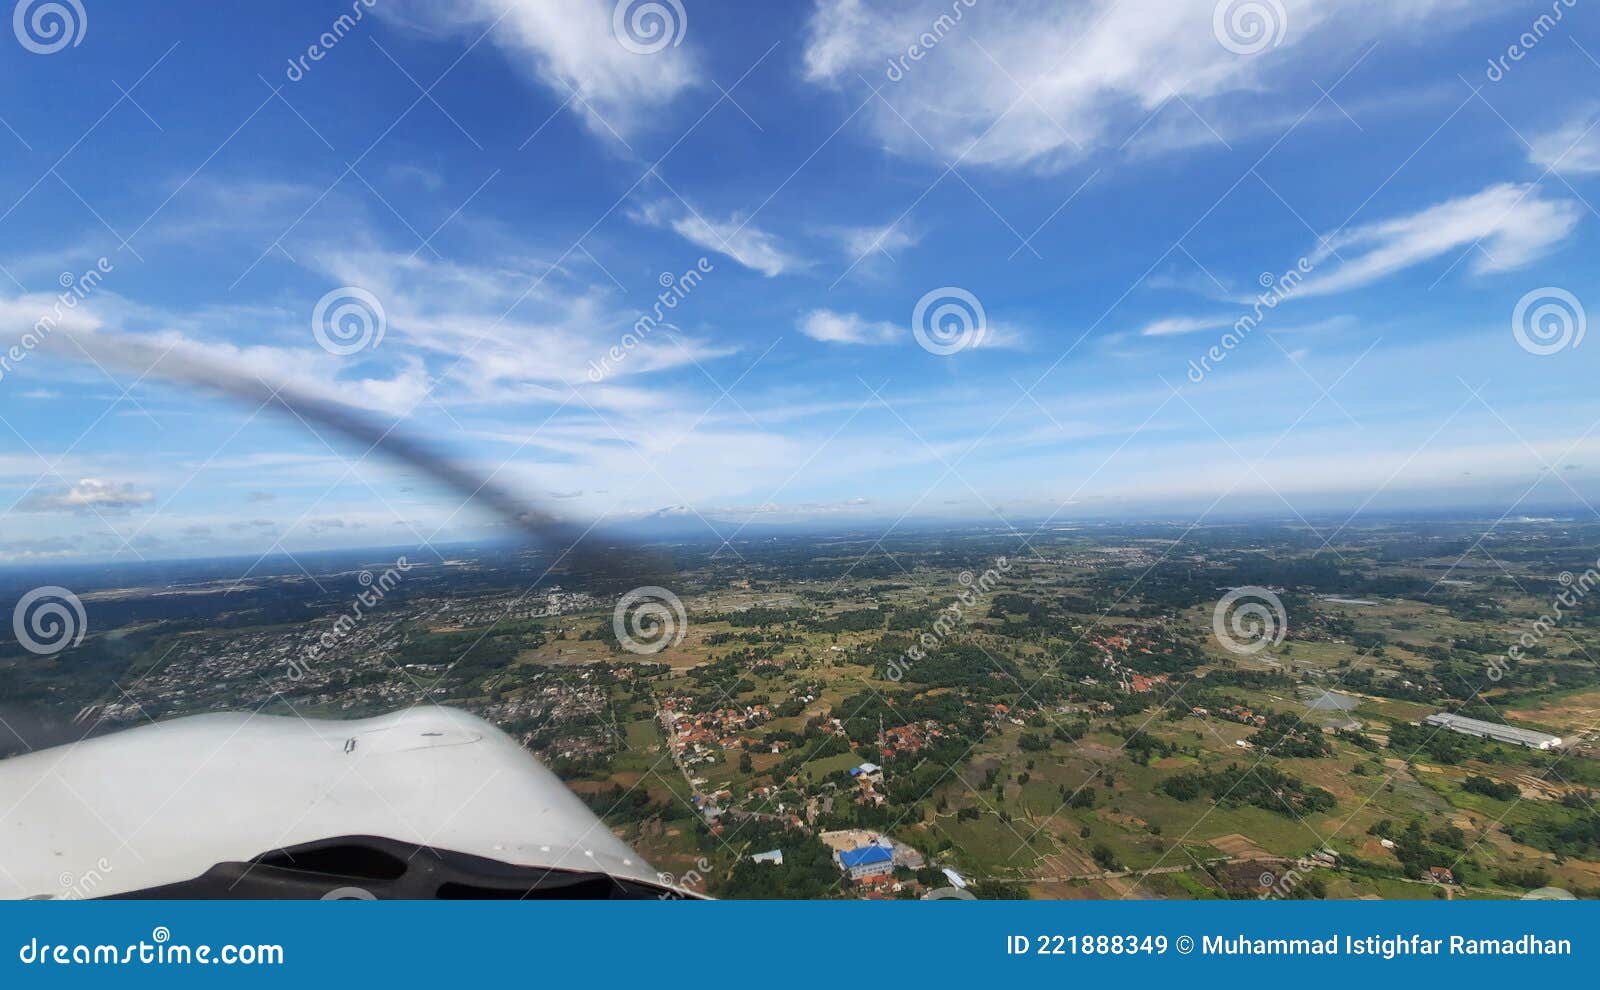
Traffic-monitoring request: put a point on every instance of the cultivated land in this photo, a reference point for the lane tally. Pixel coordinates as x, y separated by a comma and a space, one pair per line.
1051, 718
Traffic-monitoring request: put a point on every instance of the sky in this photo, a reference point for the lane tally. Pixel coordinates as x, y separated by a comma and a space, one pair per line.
1025, 263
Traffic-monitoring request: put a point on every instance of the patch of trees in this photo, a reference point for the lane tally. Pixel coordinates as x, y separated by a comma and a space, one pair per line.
814, 746
855, 620
1579, 836
1479, 784
753, 638
948, 664
1011, 604
626, 806
808, 871
1286, 735
1440, 745
1367, 681
764, 616
472, 653
1141, 747
1417, 849
1239, 677
1262, 787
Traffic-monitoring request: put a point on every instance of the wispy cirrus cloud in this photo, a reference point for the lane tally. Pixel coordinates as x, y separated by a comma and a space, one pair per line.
1511, 224
1042, 82
1573, 148
735, 237
569, 46
832, 327
887, 239
1173, 325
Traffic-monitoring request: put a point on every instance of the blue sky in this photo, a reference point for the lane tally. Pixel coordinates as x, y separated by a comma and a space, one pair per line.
1113, 184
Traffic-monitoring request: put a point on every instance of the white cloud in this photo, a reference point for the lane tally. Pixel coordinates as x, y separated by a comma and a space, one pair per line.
508, 334
862, 241
567, 45
735, 237
1184, 324
1176, 325
1001, 336
1093, 70
847, 328
1573, 149
1511, 226
88, 494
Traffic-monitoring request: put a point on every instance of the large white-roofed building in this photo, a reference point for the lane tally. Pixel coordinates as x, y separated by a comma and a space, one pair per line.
1493, 730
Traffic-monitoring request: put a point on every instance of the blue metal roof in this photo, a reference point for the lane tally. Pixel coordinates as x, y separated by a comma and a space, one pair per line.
865, 856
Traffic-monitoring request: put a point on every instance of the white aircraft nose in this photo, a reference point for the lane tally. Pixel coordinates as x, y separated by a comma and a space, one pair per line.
164, 803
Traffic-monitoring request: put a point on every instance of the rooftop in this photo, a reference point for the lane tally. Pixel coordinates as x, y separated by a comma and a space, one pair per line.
865, 856
1493, 730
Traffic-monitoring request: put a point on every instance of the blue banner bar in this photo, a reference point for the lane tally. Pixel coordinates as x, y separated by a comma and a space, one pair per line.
755, 943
